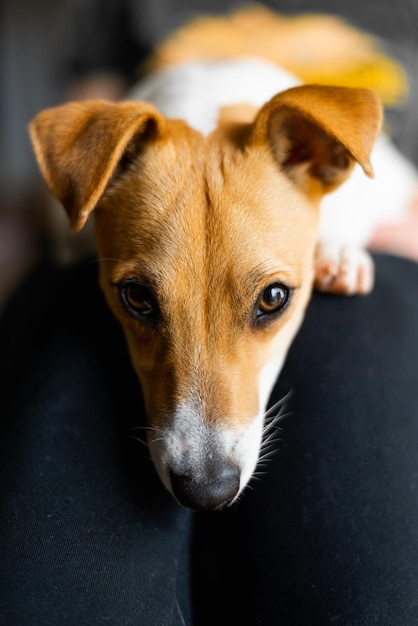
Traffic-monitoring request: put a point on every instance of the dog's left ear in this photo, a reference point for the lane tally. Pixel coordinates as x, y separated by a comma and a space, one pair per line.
317, 134
79, 145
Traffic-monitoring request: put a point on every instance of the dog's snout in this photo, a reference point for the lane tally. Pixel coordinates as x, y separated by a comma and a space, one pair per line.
214, 490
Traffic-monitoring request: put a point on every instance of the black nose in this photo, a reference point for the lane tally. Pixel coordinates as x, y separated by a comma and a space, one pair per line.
213, 491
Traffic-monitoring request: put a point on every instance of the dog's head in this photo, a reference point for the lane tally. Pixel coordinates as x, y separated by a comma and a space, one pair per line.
206, 256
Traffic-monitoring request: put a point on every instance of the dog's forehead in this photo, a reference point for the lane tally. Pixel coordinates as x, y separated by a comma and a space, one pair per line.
193, 205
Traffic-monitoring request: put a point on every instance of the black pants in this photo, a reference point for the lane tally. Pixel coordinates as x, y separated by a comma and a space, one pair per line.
328, 534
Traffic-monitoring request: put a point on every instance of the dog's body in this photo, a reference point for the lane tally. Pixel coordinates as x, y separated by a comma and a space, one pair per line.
207, 217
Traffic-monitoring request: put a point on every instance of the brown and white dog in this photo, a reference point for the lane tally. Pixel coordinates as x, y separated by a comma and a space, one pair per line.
206, 194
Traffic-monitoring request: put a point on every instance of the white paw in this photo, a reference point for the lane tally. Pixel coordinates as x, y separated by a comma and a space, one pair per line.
343, 269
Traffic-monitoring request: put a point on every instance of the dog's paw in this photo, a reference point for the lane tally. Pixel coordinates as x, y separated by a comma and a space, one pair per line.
343, 269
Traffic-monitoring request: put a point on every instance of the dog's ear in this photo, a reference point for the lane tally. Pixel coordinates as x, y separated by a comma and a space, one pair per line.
317, 133
78, 146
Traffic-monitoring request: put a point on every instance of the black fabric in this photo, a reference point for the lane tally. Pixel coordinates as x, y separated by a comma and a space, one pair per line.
326, 534
88, 534
329, 534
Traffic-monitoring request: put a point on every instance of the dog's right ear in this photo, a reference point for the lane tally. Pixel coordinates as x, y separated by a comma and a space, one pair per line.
78, 146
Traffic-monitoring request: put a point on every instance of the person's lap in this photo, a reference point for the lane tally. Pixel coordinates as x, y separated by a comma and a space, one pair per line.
89, 535
327, 534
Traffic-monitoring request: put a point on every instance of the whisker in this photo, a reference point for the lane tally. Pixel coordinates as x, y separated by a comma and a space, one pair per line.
259, 473
267, 444
179, 611
138, 439
91, 262
273, 420
149, 428
158, 439
271, 433
267, 454
273, 425
278, 404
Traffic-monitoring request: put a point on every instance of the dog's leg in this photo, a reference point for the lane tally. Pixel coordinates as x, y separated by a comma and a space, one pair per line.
343, 269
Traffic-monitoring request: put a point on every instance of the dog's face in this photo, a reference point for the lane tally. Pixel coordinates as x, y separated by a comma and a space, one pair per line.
207, 263
206, 248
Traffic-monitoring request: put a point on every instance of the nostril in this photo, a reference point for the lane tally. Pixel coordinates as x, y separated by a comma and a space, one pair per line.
213, 491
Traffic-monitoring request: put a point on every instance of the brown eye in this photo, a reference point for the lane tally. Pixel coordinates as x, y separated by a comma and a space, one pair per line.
272, 299
137, 299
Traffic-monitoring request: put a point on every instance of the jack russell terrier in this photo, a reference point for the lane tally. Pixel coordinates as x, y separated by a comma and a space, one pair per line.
206, 186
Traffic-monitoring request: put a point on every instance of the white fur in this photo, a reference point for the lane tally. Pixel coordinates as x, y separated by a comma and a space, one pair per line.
268, 377
187, 442
196, 91
350, 214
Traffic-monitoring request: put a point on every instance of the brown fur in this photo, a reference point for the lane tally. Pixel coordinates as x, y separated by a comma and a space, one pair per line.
207, 223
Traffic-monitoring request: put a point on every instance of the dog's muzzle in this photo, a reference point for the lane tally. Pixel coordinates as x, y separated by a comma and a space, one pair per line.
205, 465
215, 488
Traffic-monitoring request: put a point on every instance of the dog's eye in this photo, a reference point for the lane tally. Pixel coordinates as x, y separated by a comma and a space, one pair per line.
272, 300
137, 299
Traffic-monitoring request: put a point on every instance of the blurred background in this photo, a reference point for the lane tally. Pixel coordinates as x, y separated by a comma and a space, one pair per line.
52, 51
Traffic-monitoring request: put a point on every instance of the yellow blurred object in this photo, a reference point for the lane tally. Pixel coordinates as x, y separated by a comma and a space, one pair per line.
316, 48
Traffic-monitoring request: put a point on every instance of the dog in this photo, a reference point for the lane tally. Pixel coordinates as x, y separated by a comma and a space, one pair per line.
206, 187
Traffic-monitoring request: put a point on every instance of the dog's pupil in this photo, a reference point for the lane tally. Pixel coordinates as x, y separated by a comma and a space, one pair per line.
272, 299
139, 298
273, 295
